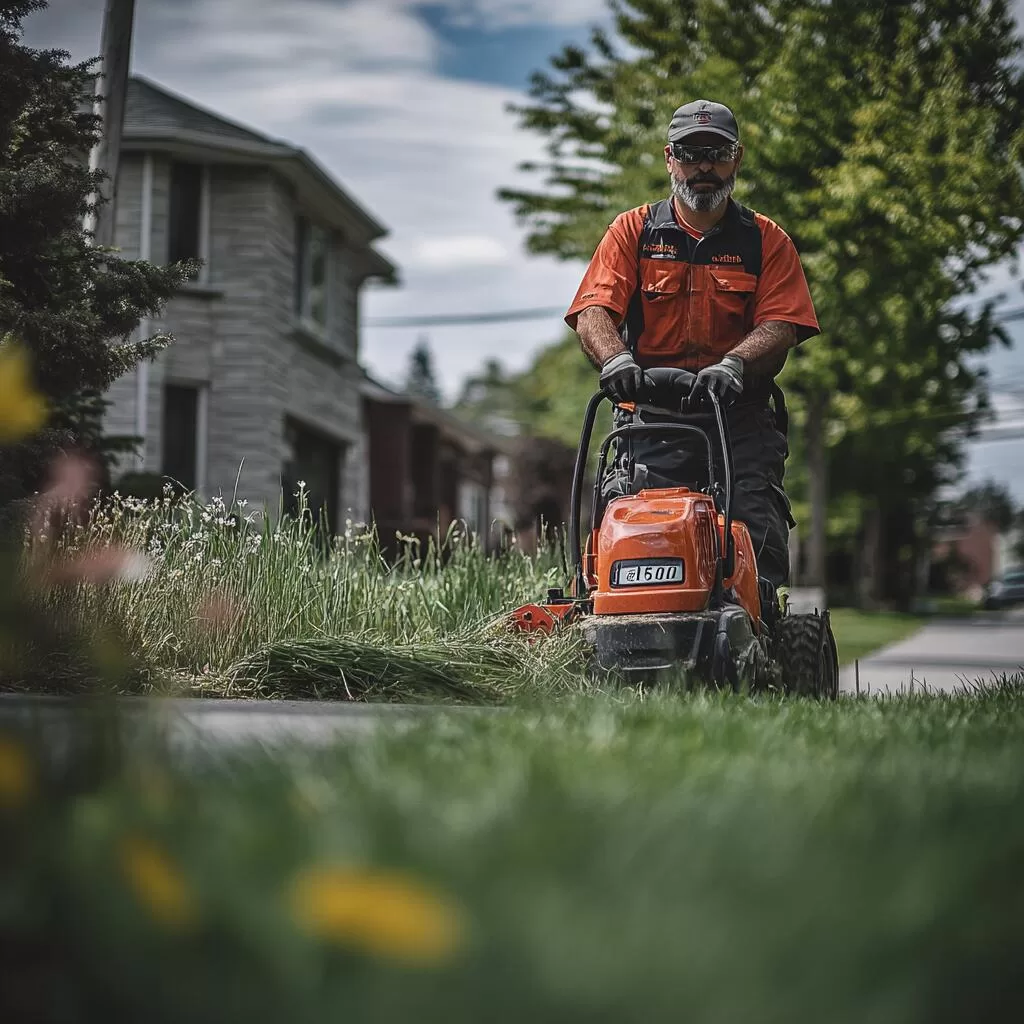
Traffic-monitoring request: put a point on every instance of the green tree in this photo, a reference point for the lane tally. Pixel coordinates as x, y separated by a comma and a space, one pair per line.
73, 306
420, 379
886, 138
488, 399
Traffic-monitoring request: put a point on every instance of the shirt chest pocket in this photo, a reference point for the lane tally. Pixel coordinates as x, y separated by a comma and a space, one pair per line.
663, 289
732, 304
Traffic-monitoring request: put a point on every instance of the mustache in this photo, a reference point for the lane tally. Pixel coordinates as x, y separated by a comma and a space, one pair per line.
702, 179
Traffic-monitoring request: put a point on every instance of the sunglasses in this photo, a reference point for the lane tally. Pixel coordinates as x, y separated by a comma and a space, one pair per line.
702, 154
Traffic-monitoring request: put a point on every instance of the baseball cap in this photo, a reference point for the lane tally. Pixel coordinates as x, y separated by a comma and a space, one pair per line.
703, 116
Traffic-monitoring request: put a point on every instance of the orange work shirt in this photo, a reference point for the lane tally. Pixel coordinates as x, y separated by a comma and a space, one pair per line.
685, 299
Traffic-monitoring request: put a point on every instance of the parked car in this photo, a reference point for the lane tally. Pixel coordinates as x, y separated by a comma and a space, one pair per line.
1005, 591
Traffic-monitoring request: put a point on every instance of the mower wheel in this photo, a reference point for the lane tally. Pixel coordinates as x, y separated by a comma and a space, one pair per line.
805, 653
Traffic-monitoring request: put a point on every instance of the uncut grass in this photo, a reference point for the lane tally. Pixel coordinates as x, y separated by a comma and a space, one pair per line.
709, 859
241, 605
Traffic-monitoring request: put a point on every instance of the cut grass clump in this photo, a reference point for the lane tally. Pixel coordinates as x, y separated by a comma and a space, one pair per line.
346, 669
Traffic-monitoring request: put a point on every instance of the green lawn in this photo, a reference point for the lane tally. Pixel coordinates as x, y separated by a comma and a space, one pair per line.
859, 633
702, 859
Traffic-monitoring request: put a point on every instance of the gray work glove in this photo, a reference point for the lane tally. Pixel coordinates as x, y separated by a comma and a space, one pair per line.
724, 379
622, 378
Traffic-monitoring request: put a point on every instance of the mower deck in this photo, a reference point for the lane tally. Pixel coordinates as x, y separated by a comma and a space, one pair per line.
713, 644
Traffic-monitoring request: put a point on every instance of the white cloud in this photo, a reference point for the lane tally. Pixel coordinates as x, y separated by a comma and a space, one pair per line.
505, 13
458, 251
302, 34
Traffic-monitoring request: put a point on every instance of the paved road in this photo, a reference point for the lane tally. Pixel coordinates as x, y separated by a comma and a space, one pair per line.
945, 655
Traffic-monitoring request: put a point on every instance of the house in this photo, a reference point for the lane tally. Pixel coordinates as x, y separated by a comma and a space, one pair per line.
970, 550
262, 387
428, 469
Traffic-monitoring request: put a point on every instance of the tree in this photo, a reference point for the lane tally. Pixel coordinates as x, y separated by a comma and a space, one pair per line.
420, 380
72, 305
991, 501
886, 138
488, 399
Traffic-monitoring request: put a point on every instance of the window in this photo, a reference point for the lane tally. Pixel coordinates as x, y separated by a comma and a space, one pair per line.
473, 506
187, 215
180, 457
316, 460
312, 259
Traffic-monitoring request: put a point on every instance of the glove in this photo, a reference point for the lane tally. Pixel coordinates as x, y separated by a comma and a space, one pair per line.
622, 378
724, 379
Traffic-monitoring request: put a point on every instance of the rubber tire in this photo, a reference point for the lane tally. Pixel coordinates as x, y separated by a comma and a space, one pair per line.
807, 661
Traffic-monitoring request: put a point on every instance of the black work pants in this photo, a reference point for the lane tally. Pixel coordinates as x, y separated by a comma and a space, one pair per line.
759, 451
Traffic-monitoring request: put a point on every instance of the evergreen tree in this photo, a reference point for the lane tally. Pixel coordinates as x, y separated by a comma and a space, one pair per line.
420, 380
72, 305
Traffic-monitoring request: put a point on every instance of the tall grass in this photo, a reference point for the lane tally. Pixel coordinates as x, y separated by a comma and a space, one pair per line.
242, 602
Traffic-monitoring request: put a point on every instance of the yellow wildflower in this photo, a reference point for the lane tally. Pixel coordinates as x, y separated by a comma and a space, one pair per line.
156, 882
383, 913
22, 410
16, 780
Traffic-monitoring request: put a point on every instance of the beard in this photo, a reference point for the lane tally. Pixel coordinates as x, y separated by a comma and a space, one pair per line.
702, 202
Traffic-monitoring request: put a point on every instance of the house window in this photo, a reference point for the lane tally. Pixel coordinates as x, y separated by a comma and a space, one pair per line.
312, 259
473, 506
180, 435
315, 459
188, 214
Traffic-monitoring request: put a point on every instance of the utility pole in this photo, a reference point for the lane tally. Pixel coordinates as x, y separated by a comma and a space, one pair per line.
111, 94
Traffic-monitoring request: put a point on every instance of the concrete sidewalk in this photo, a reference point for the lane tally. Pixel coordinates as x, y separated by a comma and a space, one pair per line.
945, 655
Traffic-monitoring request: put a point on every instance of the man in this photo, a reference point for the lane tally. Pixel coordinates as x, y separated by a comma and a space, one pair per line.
699, 282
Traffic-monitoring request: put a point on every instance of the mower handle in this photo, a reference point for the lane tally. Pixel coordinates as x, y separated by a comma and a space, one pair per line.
667, 387
671, 388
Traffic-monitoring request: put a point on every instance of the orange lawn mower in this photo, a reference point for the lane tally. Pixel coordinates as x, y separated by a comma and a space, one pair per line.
667, 580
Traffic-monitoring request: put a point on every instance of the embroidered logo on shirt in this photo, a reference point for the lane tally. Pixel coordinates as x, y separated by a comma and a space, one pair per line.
660, 251
726, 259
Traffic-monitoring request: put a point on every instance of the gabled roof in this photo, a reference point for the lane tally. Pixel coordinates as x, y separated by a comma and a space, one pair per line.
153, 115
150, 109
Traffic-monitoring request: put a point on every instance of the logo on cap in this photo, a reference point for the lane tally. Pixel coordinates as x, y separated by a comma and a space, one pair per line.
702, 117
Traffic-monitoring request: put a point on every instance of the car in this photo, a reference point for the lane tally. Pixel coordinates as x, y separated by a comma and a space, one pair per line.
1005, 591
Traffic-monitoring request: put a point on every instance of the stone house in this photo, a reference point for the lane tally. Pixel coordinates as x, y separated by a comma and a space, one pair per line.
262, 387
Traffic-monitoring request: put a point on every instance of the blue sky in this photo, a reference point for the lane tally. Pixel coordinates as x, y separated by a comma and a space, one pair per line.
405, 102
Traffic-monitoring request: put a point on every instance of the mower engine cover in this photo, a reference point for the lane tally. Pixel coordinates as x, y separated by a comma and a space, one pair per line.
657, 551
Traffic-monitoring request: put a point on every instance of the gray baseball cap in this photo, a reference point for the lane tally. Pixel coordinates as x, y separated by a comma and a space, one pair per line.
703, 116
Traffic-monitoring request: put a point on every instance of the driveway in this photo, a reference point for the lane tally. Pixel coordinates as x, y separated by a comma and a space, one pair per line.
944, 656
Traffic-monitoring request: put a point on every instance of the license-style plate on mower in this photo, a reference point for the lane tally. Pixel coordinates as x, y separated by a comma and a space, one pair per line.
643, 572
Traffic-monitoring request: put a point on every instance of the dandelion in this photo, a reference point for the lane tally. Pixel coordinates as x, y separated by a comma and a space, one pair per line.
22, 409
16, 779
383, 913
156, 882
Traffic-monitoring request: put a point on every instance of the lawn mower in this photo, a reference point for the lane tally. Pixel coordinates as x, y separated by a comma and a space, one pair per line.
667, 579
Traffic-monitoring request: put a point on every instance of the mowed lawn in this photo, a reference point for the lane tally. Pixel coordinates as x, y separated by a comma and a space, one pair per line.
707, 858
859, 634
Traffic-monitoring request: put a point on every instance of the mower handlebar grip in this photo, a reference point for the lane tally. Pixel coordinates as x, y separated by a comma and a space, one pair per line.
667, 387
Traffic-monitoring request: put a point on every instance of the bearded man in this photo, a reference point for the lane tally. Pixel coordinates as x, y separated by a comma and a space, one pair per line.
699, 282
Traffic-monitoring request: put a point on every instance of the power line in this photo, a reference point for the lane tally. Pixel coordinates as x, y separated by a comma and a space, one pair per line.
536, 313
451, 319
